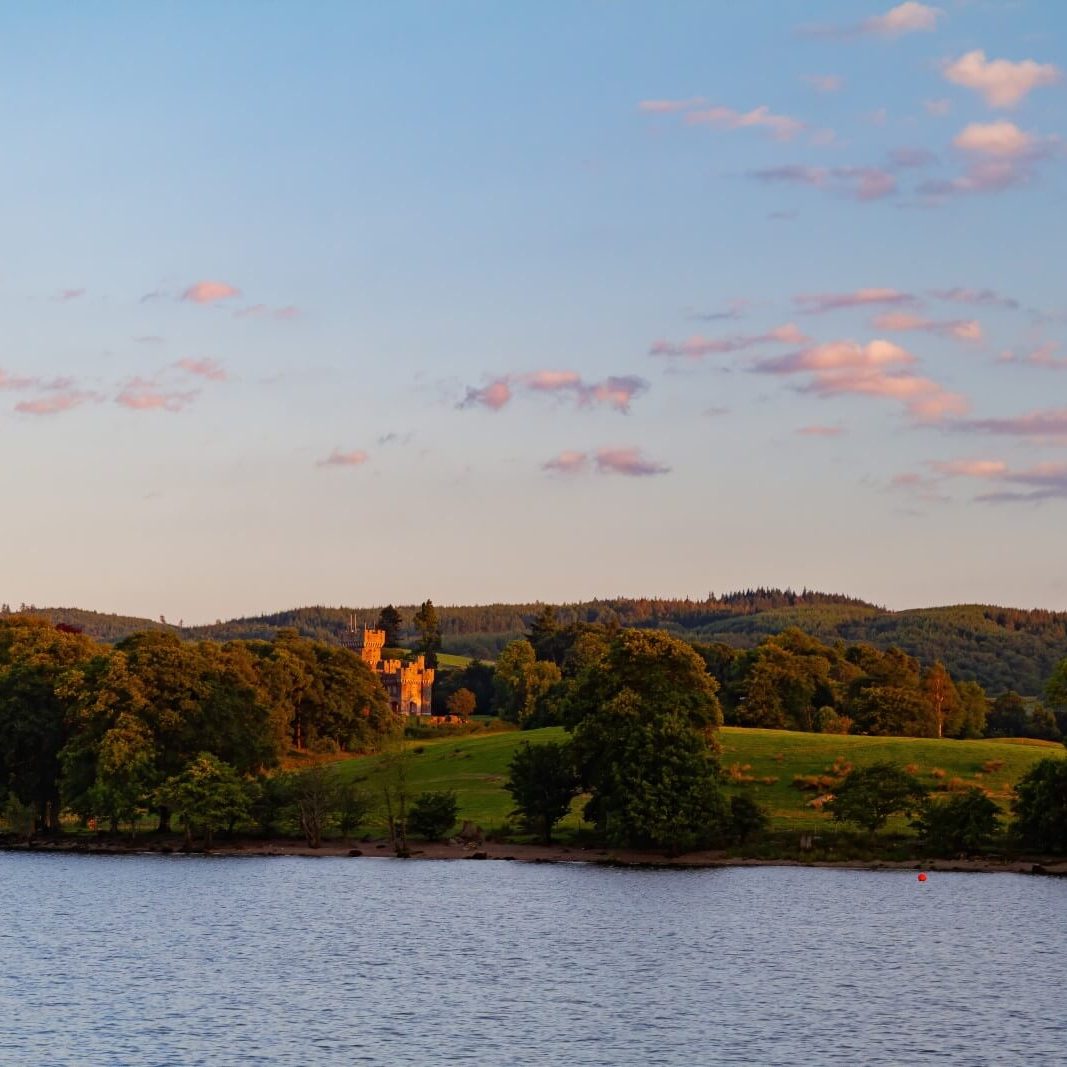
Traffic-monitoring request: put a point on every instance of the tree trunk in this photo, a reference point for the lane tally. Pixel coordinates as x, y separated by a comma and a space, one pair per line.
164, 820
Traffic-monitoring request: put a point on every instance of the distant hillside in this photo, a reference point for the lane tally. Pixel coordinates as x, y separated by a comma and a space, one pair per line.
1001, 648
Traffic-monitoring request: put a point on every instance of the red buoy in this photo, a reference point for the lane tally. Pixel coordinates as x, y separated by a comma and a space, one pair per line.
922, 876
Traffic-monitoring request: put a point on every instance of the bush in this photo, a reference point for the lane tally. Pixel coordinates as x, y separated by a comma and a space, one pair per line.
964, 823
432, 815
869, 795
747, 818
1041, 806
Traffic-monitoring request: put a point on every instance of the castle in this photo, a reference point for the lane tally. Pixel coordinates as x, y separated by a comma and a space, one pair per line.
409, 685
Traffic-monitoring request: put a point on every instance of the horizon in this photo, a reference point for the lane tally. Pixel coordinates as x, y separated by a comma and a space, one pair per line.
364, 304
227, 618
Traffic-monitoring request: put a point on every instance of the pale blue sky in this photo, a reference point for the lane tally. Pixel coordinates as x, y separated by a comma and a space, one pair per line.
405, 206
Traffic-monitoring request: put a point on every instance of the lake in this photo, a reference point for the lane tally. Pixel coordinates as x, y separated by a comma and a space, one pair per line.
159, 960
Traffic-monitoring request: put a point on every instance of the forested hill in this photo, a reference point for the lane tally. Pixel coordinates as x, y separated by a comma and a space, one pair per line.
1001, 648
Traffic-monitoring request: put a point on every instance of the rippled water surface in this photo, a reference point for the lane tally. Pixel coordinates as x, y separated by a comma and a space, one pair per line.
168, 960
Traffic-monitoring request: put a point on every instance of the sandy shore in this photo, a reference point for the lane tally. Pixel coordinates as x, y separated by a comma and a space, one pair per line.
534, 854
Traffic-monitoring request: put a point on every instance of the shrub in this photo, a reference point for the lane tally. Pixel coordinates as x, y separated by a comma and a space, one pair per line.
869, 795
1041, 806
963, 823
746, 818
432, 815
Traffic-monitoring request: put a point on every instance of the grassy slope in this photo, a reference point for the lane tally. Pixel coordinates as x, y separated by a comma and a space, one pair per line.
475, 767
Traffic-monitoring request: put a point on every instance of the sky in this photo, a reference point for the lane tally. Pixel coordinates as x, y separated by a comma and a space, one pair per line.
340, 303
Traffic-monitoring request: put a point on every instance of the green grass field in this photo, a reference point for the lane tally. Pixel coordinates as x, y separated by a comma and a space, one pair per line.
475, 767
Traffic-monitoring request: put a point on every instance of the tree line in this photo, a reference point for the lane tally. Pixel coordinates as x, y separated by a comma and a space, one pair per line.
108, 732
791, 680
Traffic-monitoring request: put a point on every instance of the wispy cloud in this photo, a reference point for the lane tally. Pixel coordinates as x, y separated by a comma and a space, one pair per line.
55, 404
140, 394
975, 297
1049, 424
904, 321
838, 355
203, 368
1045, 355
264, 311
65, 295
735, 309
149, 339
939, 107
629, 462
1001, 157
495, 395
864, 184
696, 111
209, 292
337, 458
698, 347
1001, 82
819, 303
567, 463
843, 368
819, 431
825, 83
8, 381
908, 158
617, 391
909, 17
1041, 481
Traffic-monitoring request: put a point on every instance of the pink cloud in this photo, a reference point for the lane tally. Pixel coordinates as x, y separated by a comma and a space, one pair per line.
909, 17
494, 396
1042, 481
697, 347
8, 382
627, 461
864, 184
54, 405
617, 392
836, 356
141, 395
780, 127
1001, 139
898, 321
848, 368
208, 292
669, 107
69, 294
940, 107
1049, 424
970, 468
820, 431
825, 83
1001, 157
1002, 83
203, 368
818, 303
567, 463
924, 399
337, 458
548, 381
697, 112
1042, 356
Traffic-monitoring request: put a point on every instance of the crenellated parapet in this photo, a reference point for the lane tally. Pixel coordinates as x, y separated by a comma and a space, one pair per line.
409, 685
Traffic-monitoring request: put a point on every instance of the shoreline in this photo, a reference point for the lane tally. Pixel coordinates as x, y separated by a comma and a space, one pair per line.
526, 853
